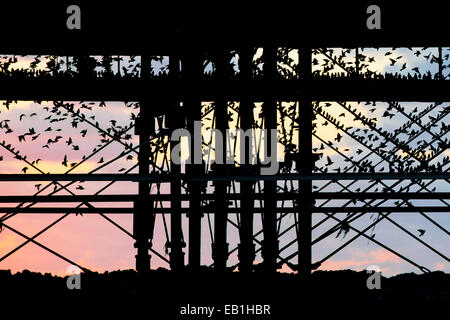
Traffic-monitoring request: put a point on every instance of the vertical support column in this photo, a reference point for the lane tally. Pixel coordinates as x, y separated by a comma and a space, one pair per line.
305, 166
246, 251
192, 72
176, 121
220, 245
143, 214
441, 64
270, 243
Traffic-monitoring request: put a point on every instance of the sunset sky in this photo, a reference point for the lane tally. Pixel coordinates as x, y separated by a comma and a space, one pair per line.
93, 242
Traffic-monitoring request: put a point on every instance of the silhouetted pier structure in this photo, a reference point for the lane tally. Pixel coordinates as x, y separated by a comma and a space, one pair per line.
188, 46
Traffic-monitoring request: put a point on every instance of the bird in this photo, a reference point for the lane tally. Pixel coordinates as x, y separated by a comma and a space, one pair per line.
24, 169
64, 162
38, 186
421, 232
101, 160
80, 187
329, 162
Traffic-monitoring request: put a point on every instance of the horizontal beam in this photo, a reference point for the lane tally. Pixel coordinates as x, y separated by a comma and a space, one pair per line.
10, 177
186, 197
130, 210
41, 27
379, 195
160, 90
70, 198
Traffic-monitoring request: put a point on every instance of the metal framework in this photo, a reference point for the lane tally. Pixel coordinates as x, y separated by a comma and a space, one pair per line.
265, 84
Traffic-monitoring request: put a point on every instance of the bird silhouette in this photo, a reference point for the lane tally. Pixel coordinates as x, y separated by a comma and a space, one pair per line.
421, 232
64, 162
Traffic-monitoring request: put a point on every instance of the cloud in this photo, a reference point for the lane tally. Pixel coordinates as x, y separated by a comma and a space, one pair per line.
361, 260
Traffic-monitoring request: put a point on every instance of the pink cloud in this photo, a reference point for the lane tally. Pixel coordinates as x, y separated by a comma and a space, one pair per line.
362, 260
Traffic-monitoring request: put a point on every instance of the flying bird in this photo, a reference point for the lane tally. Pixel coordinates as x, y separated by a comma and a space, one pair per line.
421, 232
64, 162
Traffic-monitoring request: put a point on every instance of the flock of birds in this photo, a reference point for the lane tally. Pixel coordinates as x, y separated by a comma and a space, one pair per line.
370, 140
